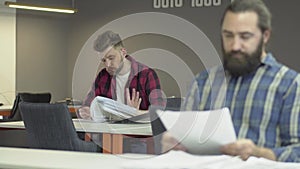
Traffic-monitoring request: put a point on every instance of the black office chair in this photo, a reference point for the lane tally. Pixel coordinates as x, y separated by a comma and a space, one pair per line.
18, 138
26, 97
174, 103
49, 126
157, 127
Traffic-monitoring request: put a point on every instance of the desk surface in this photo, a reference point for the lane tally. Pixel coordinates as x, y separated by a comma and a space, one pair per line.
33, 158
5, 110
96, 127
112, 133
5, 107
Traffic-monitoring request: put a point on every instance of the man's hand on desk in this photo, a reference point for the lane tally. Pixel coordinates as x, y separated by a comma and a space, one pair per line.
84, 112
246, 148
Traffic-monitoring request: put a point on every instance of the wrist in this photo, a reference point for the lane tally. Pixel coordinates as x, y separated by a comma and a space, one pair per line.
265, 153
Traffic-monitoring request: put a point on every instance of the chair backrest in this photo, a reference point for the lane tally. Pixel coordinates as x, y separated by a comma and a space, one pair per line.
49, 126
174, 103
27, 97
157, 127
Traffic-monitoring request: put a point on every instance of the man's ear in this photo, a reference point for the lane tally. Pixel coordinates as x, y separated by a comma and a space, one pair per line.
123, 51
266, 36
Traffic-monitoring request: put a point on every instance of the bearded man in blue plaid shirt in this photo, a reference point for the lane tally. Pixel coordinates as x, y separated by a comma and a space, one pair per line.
263, 95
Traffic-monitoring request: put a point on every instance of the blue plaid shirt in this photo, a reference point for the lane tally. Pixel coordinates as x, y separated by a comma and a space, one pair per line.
264, 105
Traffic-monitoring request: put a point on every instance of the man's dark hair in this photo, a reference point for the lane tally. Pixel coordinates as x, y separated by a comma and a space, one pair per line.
106, 40
257, 6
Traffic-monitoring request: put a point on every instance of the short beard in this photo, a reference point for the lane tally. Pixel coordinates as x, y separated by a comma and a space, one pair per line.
242, 66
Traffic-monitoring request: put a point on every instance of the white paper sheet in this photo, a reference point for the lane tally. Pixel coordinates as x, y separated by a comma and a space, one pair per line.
182, 160
103, 109
201, 132
175, 160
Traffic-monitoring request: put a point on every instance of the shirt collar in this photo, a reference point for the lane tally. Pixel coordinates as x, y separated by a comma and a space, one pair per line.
269, 60
134, 65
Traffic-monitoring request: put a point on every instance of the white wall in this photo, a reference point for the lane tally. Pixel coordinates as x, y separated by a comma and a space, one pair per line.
41, 53
8, 54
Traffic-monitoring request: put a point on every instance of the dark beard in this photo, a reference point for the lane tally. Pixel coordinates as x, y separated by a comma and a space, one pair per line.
244, 65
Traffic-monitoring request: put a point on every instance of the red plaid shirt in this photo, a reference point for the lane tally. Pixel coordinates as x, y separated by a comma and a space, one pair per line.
142, 78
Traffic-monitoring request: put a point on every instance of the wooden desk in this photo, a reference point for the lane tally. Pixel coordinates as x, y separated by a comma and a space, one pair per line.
113, 134
5, 110
73, 109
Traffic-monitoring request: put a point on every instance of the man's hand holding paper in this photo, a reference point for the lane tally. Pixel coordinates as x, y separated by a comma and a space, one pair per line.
197, 132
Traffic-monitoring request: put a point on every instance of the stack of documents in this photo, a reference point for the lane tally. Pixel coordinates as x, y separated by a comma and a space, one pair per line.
103, 109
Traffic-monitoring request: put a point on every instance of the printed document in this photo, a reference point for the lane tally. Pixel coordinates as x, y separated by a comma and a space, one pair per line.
201, 132
103, 109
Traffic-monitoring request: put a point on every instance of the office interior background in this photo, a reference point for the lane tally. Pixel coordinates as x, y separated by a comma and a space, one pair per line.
39, 49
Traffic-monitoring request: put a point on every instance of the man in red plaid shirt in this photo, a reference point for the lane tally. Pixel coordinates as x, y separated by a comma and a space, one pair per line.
123, 78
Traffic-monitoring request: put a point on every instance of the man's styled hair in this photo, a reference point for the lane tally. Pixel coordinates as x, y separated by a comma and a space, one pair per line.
107, 39
257, 6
